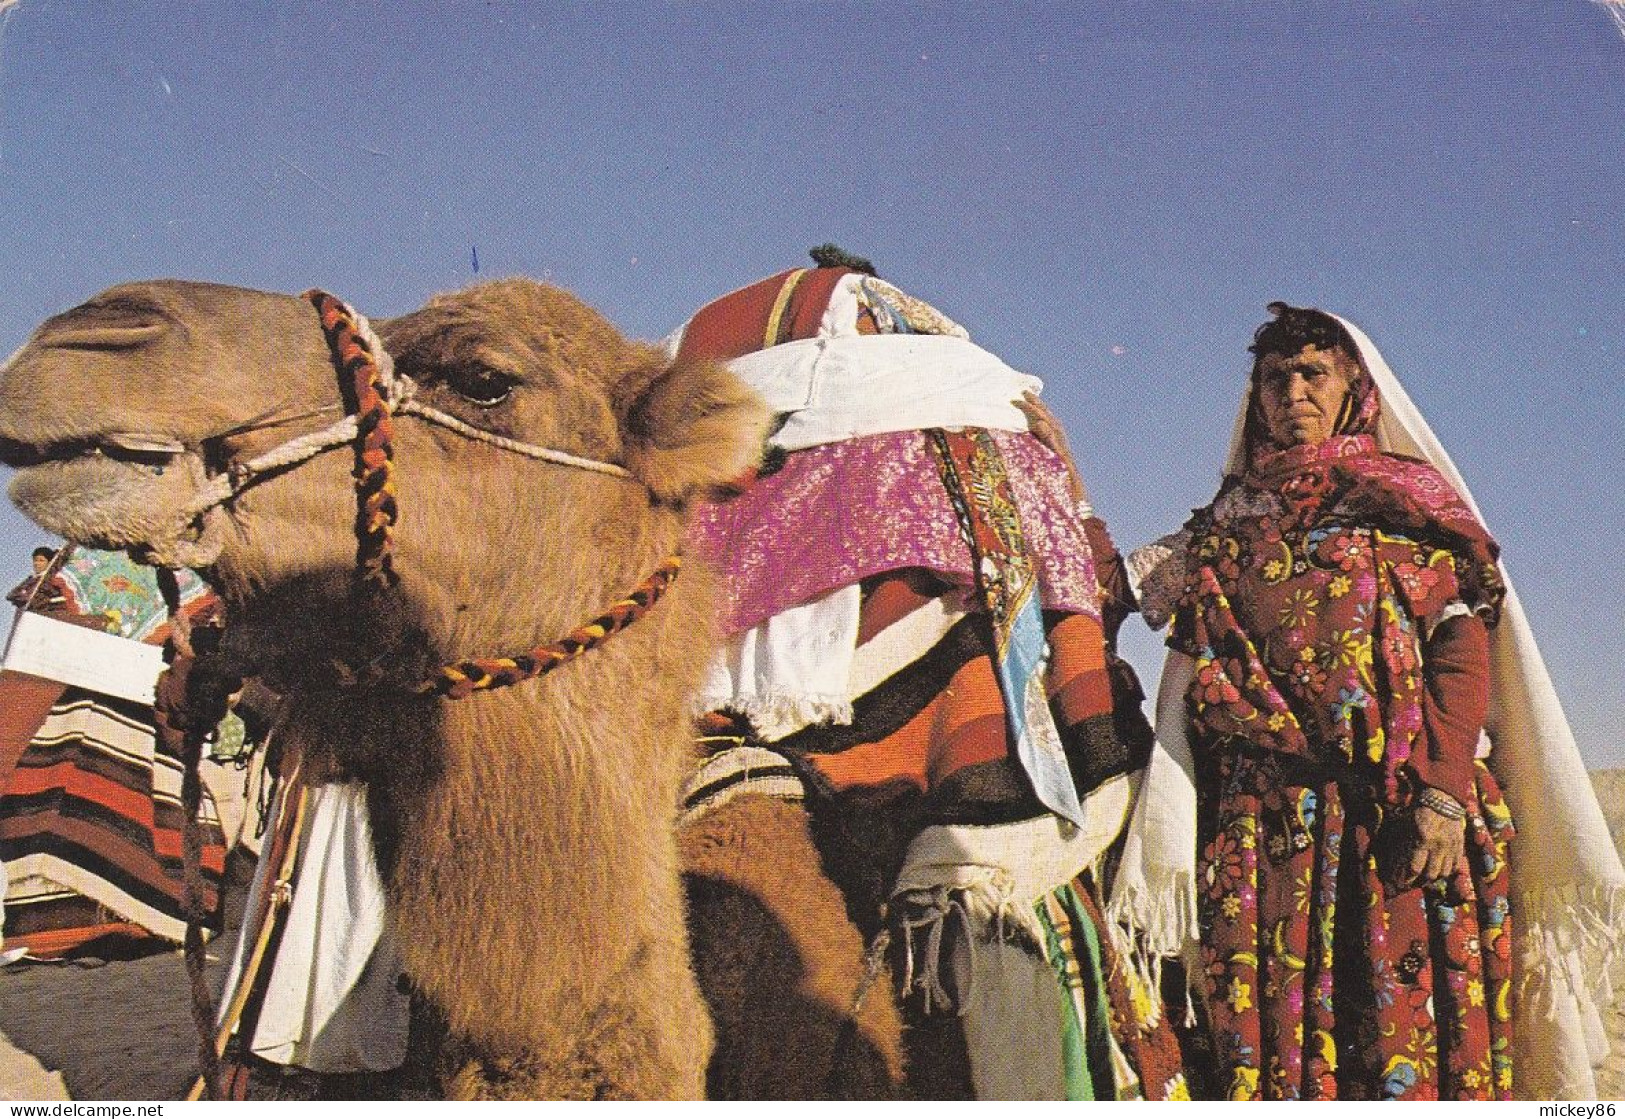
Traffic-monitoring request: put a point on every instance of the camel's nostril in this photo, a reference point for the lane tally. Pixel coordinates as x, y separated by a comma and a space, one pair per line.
110, 322
102, 337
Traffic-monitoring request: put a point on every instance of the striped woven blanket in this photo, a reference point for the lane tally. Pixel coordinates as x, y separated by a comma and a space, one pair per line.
927, 753
928, 742
90, 822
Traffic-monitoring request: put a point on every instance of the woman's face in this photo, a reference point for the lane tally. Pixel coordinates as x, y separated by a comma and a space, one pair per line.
1302, 395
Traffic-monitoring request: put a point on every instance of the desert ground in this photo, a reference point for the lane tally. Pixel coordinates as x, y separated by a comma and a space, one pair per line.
120, 1029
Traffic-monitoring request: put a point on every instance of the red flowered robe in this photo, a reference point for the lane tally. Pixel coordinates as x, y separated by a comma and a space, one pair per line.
1337, 672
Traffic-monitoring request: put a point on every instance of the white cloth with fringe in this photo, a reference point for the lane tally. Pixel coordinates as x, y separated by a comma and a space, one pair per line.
1151, 912
791, 671
967, 898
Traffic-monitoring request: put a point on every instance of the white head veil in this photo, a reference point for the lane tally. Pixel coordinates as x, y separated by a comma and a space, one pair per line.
1567, 886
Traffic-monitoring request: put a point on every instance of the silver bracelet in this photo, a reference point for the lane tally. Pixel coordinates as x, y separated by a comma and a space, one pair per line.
1442, 803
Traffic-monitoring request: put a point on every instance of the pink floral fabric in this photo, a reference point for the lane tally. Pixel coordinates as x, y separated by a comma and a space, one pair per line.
838, 513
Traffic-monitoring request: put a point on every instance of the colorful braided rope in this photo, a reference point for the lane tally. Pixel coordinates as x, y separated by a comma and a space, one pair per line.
377, 512
458, 680
376, 508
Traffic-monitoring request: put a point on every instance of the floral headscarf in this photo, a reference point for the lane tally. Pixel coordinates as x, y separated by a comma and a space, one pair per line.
1350, 473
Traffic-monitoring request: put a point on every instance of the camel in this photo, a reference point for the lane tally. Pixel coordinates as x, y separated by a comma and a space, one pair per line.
525, 836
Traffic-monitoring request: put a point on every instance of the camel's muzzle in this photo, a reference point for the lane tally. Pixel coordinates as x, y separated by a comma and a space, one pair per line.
113, 496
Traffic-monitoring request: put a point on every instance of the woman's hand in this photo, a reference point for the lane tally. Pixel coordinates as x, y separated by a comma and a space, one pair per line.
1048, 431
1440, 851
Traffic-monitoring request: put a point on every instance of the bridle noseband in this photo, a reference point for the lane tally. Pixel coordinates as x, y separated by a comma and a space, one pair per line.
380, 394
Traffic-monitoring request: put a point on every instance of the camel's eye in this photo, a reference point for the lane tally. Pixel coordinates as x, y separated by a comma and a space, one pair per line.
482, 385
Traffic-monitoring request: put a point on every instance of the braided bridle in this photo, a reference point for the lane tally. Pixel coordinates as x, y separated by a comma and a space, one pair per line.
186, 712
378, 394
376, 509
454, 681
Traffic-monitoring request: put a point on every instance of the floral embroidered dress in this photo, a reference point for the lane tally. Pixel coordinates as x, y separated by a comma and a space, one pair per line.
1314, 586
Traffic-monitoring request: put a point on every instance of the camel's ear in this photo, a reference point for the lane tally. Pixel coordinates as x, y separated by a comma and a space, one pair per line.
692, 426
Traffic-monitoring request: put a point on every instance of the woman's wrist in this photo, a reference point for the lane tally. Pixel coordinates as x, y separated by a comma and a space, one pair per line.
1441, 802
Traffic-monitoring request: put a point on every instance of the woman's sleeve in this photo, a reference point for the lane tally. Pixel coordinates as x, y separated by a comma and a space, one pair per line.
1156, 574
1456, 671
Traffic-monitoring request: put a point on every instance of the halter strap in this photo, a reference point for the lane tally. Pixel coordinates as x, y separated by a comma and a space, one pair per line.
396, 391
363, 360
379, 394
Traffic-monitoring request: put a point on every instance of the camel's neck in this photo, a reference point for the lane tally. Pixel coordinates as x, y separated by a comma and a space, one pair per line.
615, 717
544, 810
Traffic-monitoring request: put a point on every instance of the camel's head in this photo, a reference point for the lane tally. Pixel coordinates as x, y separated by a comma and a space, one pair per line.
112, 410
117, 413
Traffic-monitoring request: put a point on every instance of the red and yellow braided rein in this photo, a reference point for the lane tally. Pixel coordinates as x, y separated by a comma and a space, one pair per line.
376, 508
377, 511
455, 681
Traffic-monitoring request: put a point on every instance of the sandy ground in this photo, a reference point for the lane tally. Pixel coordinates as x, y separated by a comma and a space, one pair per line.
122, 1031
114, 1029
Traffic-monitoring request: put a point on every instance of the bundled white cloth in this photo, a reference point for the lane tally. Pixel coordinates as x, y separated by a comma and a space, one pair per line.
841, 388
841, 384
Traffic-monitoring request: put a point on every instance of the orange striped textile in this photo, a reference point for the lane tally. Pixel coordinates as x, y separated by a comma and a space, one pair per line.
929, 742
782, 308
90, 825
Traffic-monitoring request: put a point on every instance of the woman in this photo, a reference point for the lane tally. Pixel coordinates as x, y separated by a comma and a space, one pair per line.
1332, 616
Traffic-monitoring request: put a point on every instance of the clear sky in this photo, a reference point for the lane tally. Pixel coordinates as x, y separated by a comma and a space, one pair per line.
1105, 193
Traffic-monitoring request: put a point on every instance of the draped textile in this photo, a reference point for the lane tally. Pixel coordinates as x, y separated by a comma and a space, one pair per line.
928, 741
90, 827
923, 810
329, 995
974, 475
835, 514
90, 817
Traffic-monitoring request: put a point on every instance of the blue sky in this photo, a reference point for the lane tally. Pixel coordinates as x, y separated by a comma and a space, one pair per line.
1106, 194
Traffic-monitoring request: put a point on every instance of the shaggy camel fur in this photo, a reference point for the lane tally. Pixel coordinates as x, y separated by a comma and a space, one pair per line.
781, 963
525, 836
